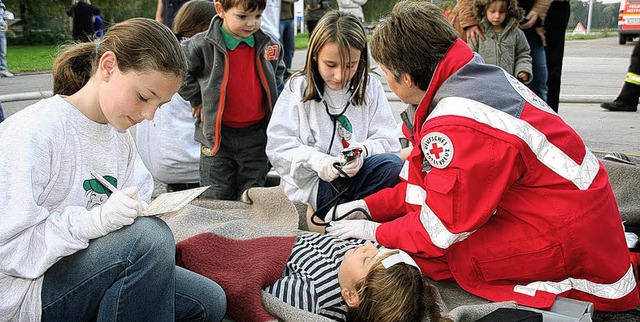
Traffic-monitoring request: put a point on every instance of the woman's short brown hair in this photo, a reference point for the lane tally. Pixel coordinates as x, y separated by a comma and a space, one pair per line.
413, 40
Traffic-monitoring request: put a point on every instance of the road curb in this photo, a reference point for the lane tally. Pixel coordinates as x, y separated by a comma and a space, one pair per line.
27, 96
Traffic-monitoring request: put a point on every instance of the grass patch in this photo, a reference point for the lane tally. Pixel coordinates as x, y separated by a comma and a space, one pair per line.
595, 33
37, 58
22, 59
302, 41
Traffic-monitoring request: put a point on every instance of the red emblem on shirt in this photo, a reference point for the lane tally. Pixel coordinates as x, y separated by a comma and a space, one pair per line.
437, 149
272, 52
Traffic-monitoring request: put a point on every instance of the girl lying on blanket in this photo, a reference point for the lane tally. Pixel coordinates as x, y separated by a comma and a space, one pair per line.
350, 280
353, 278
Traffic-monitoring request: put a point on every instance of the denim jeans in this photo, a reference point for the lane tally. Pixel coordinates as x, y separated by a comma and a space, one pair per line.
129, 275
378, 172
3, 51
1, 113
538, 64
288, 39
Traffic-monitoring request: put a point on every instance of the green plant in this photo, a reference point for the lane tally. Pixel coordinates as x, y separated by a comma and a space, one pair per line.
302, 41
31, 58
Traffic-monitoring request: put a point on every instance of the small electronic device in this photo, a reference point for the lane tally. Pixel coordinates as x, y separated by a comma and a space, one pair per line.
350, 154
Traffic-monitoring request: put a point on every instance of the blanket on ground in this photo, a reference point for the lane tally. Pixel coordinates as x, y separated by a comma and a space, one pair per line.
266, 212
241, 267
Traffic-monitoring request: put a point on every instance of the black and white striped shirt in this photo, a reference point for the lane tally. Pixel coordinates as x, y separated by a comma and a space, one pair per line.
310, 279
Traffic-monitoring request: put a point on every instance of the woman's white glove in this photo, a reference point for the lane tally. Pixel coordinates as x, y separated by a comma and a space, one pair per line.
324, 167
352, 168
122, 207
346, 207
363, 229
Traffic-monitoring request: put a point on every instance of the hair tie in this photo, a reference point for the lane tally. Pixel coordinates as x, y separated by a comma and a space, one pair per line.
97, 46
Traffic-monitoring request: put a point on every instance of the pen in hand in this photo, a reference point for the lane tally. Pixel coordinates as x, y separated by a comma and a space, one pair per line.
104, 181
119, 210
142, 205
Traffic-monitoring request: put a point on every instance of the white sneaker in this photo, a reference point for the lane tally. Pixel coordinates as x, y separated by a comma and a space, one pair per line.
5, 73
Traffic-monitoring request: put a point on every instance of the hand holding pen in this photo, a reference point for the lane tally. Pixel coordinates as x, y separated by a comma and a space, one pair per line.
122, 207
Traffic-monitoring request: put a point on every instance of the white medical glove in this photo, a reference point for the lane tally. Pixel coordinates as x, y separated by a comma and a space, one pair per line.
122, 207
363, 229
352, 168
346, 207
324, 167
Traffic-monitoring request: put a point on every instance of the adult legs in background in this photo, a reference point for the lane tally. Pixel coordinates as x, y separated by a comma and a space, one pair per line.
627, 100
288, 39
555, 26
539, 64
1, 113
4, 72
311, 25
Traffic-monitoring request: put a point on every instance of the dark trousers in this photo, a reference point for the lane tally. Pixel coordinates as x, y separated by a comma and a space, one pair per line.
239, 164
555, 26
311, 24
378, 172
630, 92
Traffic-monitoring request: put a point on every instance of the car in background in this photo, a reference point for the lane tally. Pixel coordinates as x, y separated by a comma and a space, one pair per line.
628, 20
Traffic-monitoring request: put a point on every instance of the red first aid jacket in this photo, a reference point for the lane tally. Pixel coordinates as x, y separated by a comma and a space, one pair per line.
502, 195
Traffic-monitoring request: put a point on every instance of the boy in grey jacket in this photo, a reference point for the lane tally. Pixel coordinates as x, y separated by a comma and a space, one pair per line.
505, 45
233, 75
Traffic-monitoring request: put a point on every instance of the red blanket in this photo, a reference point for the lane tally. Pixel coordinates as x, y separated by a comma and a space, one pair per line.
241, 267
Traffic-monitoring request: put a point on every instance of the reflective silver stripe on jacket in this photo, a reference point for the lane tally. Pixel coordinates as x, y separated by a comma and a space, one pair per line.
440, 235
581, 175
404, 173
415, 195
615, 290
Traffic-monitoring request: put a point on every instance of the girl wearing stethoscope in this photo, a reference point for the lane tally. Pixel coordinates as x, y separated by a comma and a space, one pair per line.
332, 137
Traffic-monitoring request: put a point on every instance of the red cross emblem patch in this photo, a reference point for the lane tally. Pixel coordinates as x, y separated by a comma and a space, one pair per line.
437, 149
272, 52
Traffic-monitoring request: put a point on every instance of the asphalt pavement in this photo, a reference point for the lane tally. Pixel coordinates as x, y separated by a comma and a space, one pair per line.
594, 71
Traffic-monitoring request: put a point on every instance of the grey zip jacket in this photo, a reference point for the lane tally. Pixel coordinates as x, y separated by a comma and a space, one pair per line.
208, 75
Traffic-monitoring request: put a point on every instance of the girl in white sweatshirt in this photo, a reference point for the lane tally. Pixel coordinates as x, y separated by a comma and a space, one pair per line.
71, 247
333, 108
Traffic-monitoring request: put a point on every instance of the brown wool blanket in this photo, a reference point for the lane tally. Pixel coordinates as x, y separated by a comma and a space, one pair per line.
241, 267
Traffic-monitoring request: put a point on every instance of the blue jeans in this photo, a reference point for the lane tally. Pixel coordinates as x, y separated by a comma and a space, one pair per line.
129, 275
1, 113
538, 64
3, 51
288, 40
378, 172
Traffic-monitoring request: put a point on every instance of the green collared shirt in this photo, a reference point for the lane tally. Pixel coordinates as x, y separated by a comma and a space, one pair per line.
232, 42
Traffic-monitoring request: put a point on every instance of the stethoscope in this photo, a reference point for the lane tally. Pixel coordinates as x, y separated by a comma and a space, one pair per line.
334, 117
334, 201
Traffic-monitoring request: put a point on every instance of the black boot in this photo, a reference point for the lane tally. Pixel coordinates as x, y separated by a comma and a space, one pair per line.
617, 106
627, 100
